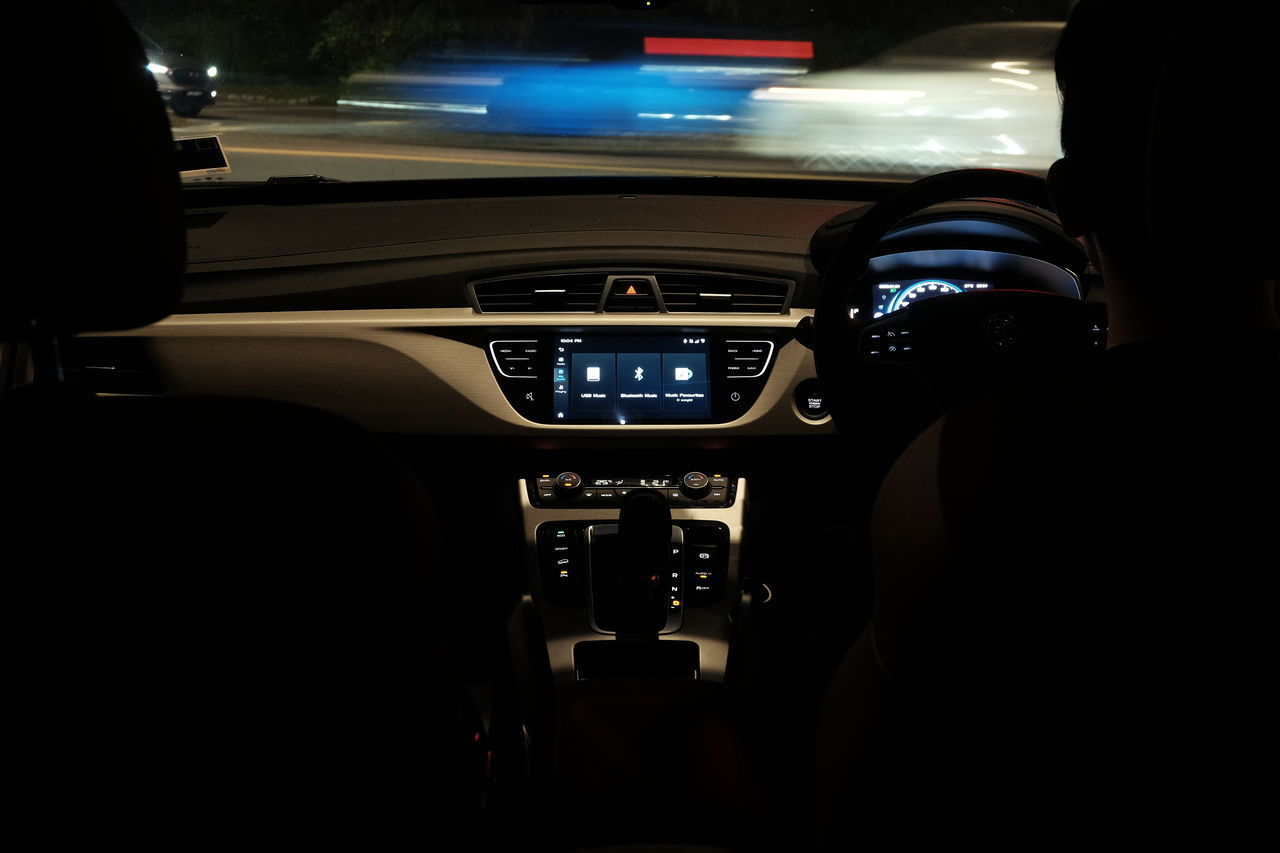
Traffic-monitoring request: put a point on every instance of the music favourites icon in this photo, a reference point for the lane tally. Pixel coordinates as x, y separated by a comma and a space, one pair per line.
683, 374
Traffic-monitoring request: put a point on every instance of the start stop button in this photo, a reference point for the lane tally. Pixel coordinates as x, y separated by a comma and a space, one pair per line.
811, 401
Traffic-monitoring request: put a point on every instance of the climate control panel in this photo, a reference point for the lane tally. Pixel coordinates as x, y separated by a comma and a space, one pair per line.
574, 490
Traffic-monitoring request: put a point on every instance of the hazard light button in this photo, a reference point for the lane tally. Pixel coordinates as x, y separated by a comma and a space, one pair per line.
631, 294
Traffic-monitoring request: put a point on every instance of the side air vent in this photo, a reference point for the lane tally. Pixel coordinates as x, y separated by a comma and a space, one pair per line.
683, 291
566, 292
110, 365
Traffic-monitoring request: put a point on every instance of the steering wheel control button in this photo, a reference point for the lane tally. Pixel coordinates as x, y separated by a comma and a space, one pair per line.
811, 400
1097, 334
1003, 332
890, 340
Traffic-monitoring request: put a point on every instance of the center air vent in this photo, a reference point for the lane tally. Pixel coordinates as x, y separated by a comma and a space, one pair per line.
530, 293
676, 291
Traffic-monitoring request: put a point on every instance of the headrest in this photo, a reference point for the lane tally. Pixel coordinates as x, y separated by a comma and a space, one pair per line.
1213, 183
94, 194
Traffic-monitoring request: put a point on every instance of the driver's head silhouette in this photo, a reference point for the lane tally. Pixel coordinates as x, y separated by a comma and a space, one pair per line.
1156, 115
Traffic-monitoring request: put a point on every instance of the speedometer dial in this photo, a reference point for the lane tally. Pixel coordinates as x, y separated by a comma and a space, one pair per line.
895, 295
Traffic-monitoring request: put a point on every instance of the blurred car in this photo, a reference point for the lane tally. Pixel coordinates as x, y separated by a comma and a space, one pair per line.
977, 95
603, 99
658, 86
186, 83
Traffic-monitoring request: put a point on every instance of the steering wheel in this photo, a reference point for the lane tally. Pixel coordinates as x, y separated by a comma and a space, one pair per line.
909, 366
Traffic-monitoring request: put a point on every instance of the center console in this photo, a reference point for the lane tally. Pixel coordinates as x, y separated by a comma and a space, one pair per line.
634, 589
636, 611
571, 527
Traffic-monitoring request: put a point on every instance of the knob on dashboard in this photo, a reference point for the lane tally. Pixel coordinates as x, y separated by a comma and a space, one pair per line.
695, 484
568, 483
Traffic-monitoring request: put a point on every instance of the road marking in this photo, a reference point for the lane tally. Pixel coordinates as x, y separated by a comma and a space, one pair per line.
528, 164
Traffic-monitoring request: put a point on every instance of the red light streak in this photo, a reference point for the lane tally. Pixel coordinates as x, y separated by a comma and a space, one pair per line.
729, 47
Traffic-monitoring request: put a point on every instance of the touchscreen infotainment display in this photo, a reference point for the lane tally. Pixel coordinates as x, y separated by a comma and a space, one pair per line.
630, 379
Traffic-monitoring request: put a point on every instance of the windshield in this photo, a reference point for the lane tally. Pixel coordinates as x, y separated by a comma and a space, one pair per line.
358, 90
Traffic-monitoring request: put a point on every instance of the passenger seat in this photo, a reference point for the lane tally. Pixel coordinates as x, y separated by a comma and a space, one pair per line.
218, 613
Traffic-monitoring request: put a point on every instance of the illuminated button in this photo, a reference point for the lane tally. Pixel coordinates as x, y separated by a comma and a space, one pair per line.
676, 497
811, 400
632, 287
696, 479
704, 557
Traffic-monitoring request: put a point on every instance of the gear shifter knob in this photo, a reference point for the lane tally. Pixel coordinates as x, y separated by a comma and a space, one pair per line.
644, 540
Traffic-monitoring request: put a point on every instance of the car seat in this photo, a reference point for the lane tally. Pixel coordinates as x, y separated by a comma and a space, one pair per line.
1074, 578
221, 617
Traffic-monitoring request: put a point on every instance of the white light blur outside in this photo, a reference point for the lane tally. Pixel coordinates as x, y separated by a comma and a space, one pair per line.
1020, 84
1010, 146
468, 109
212, 71
836, 96
157, 68
1011, 67
725, 70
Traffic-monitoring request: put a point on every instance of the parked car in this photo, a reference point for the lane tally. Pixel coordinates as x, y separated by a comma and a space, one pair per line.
977, 95
186, 83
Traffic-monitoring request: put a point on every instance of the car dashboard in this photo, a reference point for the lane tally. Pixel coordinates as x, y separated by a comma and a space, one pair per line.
402, 314
538, 351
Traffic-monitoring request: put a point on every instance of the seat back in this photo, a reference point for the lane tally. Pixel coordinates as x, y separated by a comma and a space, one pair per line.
220, 615
1074, 576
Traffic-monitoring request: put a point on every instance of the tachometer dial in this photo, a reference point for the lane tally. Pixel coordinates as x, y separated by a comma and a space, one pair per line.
896, 295
921, 290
